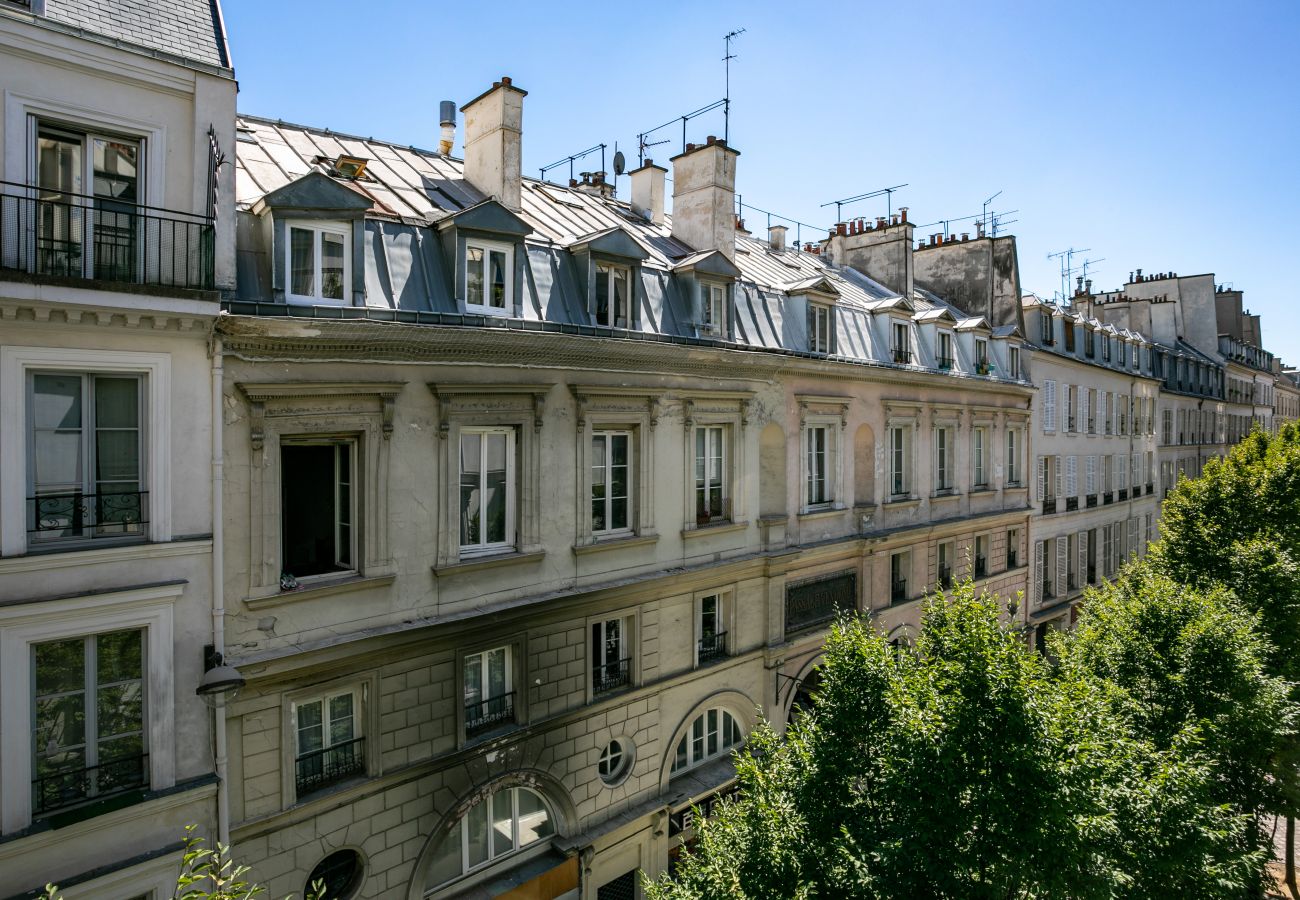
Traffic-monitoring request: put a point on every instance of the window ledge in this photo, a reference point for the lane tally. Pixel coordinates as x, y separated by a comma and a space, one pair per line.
475, 563
982, 489
622, 542
945, 496
707, 530
902, 503
820, 512
1015, 489
45, 559
313, 590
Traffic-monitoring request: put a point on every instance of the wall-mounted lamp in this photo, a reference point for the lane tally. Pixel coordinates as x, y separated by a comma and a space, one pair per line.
220, 682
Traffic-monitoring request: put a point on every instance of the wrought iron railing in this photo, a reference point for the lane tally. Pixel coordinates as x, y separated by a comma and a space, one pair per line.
1071, 504
983, 368
1123, 493
902, 355
489, 713
945, 362
1107, 498
897, 591
324, 767
712, 647
1049, 506
77, 515
1090, 501
59, 233
611, 676
72, 787
981, 567
819, 601
945, 577
1012, 559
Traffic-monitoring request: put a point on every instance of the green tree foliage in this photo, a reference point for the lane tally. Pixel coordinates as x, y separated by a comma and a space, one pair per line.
967, 768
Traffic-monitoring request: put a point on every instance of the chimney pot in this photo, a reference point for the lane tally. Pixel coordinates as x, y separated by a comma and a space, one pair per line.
447, 120
776, 237
893, 220
712, 139
841, 228
965, 235
505, 79
880, 221
902, 211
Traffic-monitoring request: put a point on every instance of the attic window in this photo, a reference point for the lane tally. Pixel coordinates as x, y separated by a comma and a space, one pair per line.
613, 295
350, 166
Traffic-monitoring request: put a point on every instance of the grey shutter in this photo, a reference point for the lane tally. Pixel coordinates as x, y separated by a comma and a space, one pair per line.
1037, 591
1062, 566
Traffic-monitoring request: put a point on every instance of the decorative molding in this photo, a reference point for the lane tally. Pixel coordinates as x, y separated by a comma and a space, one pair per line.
259, 394
586, 395
451, 395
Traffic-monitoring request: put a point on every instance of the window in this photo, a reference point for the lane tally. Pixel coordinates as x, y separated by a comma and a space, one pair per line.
900, 451
711, 489
712, 734
899, 564
1090, 408
613, 295
87, 220
614, 763
1089, 343
944, 575
319, 263
981, 555
489, 691
1046, 322
329, 746
821, 480
1069, 335
317, 509
1013, 547
943, 456
1013, 361
945, 357
88, 725
611, 482
340, 873
85, 458
982, 366
610, 655
902, 343
712, 629
821, 329
487, 490
505, 823
489, 278
1105, 348
1013, 458
980, 475
1070, 406
714, 318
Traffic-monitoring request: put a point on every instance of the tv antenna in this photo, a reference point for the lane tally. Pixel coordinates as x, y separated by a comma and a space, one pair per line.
571, 159
887, 192
726, 98
984, 213
999, 220
1066, 258
1089, 262
642, 143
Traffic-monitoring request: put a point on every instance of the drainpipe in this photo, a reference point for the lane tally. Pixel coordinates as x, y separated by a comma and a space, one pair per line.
219, 590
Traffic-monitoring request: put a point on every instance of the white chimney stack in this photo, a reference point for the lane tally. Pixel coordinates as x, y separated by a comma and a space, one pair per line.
447, 110
704, 197
648, 191
494, 142
776, 237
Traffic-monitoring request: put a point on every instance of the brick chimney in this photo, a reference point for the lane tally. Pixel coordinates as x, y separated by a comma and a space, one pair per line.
494, 142
648, 191
704, 197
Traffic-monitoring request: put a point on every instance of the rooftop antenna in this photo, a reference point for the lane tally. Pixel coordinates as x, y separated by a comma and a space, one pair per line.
999, 220
642, 143
889, 200
726, 98
1066, 258
1089, 262
984, 215
570, 160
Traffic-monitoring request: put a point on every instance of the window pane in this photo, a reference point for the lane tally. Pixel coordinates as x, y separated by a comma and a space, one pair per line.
342, 722
495, 488
497, 260
56, 422
534, 819
679, 761
503, 838
470, 484
474, 276
446, 860
622, 298
302, 262
119, 656
496, 672
598, 494
120, 710
713, 731
473, 678
60, 666
331, 265
60, 720
602, 296
476, 825
310, 727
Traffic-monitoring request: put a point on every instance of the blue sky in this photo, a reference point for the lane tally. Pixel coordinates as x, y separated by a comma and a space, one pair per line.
1158, 135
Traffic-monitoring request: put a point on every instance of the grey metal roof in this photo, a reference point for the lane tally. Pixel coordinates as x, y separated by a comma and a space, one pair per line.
186, 28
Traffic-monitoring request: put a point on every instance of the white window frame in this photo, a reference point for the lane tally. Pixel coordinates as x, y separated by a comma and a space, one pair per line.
609, 275
1014, 458
900, 459
900, 342
945, 341
693, 760
723, 619
719, 434
829, 428
626, 648
980, 457
16, 363
713, 308
483, 548
508, 652
22, 625
343, 229
821, 336
485, 308
354, 539
608, 434
1013, 361
945, 459
462, 831
360, 729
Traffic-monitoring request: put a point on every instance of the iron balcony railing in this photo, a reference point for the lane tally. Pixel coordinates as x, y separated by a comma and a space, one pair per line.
1049, 506
72, 787
897, 591
983, 368
1071, 504
1090, 501
902, 355
321, 768
489, 713
712, 647
945, 362
59, 233
1107, 498
77, 515
1012, 559
981, 567
1123, 493
611, 676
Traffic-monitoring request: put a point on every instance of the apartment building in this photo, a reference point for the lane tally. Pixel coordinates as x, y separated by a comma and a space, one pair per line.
116, 236
536, 497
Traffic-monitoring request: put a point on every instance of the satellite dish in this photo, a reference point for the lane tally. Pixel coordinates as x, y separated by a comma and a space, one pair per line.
620, 164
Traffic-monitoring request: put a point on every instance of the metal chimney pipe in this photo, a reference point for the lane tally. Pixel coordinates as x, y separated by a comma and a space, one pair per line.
447, 113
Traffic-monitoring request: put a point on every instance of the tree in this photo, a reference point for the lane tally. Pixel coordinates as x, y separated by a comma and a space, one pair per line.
967, 768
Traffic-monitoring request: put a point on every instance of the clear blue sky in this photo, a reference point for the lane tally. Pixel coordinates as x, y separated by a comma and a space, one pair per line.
1164, 136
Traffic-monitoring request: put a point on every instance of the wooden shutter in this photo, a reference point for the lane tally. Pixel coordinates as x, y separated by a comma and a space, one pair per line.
1062, 566
1037, 592
1082, 541
1049, 406
1060, 476
1072, 476
1042, 477
1091, 479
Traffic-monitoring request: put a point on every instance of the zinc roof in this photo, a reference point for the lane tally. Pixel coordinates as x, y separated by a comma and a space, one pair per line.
186, 28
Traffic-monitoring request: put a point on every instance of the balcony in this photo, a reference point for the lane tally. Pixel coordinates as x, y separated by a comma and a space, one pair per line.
902, 355
1091, 501
329, 765
75, 787
1123, 494
78, 236
490, 713
898, 591
611, 676
817, 602
74, 516
981, 567
1049, 506
983, 368
712, 647
1107, 498
945, 362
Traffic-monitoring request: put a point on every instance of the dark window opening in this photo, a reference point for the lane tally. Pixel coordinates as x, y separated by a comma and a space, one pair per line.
316, 509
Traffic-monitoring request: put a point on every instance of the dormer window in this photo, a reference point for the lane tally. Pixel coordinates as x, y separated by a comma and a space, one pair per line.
982, 357
489, 287
944, 356
1047, 328
319, 262
902, 344
820, 334
1090, 343
613, 295
714, 318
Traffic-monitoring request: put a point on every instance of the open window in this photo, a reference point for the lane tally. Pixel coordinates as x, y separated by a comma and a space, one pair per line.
329, 740
318, 507
821, 332
713, 309
711, 614
319, 262
487, 490
613, 295
611, 654
489, 277
712, 474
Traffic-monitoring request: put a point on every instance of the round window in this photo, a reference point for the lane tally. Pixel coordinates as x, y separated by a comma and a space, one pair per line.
337, 876
615, 762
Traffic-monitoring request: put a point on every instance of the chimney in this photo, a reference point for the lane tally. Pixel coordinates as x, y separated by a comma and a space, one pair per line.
704, 197
776, 237
447, 110
493, 142
902, 212
648, 191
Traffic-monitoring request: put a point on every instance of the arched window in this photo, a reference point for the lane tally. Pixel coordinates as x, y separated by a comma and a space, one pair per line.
509, 821
712, 734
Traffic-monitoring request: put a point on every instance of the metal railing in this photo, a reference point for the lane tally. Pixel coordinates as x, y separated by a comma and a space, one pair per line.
611, 676
71, 787
902, 355
491, 712
981, 567
1107, 498
983, 368
1123, 493
945, 578
77, 515
1090, 501
897, 591
945, 362
712, 647
1071, 504
1049, 506
59, 233
324, 767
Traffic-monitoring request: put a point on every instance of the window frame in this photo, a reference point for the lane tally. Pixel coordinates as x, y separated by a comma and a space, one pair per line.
715, 320
1013, 459
979, 457
354, 541
1013, 362
628, 621
723, 615
630, 511
317, 228
510, 542
459, 832
365, 724
901, 437
945, 459
821, 331
701, 465
488, 247
900, 572
688, 739
900, 341
513, 677
612, 270
945, 355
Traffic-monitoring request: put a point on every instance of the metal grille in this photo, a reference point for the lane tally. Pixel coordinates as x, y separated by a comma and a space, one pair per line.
60, 790
713, 647
117, 514
323, 767
610, 676
488, 714
815, 602
621, 888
